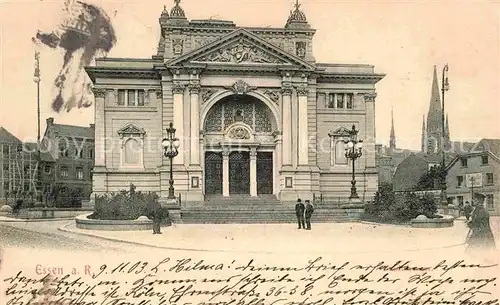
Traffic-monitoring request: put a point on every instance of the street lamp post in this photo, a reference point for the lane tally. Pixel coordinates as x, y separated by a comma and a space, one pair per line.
353, 148
170, 147
444, 87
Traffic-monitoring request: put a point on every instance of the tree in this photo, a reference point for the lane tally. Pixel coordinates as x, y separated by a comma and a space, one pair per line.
431, 179
384, 197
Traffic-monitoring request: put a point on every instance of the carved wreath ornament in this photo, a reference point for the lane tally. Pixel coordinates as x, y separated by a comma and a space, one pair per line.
241, 87
239, 133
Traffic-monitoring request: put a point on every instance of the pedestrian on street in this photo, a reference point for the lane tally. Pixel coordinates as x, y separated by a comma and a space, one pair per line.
299, 211
157, 214
480, 236
467, 210
308, 213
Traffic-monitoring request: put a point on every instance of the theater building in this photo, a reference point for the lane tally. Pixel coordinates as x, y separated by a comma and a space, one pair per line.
257, 116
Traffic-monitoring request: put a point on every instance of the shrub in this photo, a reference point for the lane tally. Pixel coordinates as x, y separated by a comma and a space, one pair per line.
399, 208
124, 205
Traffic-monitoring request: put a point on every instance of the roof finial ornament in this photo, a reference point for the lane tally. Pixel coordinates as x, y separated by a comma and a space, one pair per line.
296, 15
177, 10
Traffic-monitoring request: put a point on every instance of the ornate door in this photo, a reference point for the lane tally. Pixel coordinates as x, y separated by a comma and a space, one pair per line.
239, 173
213, 173
264, 173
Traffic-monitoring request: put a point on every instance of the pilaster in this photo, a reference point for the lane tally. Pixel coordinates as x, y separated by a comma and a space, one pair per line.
369, 141
100, 128
178, 114
286, 119
225, 172
303, 137
194, 90
253, 171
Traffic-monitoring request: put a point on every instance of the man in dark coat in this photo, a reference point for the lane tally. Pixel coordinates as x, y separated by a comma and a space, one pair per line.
480, 235
309, 211
299, 211
157, 214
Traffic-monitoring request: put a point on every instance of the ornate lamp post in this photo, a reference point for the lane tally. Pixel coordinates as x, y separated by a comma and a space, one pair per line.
444, 87
170, 146
36, 79
353, 148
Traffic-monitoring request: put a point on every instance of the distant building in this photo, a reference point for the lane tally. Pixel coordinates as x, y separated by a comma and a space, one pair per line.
72, 148
411, 169
18, 166
476, 171
387, 159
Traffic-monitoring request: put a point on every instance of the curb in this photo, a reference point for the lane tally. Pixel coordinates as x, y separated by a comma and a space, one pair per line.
5, 220
65, 229
384, 224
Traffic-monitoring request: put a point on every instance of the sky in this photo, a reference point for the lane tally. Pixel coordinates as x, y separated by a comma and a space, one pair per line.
402, 39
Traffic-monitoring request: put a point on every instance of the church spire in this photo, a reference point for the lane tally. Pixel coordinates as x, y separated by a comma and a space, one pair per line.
392, 140
434, 129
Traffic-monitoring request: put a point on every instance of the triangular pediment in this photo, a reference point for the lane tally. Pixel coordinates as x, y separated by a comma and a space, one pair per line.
131, 129
241, 47
340, 132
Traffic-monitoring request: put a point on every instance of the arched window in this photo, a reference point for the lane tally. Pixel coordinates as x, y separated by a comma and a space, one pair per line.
131, 152
338, 157
339, 151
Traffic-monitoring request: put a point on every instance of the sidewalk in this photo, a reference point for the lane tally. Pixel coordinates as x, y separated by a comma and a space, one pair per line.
286, 238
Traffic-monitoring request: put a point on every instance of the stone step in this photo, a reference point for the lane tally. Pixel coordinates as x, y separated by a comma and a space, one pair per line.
249, 216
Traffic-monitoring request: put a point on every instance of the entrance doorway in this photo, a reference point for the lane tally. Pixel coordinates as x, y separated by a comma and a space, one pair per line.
264, 173
239, 172
213, 173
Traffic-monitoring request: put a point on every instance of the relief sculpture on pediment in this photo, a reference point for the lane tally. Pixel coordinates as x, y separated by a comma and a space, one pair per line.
239, 53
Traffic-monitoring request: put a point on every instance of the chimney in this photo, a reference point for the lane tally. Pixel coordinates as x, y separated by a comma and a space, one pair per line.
50, 122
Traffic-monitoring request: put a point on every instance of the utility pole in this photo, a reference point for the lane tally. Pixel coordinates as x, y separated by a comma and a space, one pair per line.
36, 79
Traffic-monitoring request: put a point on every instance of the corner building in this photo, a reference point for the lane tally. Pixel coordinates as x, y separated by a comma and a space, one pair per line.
256, 114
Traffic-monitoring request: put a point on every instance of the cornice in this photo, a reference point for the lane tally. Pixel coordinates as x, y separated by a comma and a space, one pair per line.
228, 29
350, 78
107, 72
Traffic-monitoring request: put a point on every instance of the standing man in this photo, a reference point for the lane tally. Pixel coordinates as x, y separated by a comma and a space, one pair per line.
467, 210
299, 211
157, 214
309, 212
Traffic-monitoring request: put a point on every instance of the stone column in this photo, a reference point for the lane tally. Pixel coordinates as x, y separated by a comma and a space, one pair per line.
225, 172
253, 172
100, 133
303, 126
178, 113
286, 94
195, 124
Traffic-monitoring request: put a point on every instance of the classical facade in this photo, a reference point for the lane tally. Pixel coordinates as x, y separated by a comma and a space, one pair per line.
255, 114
